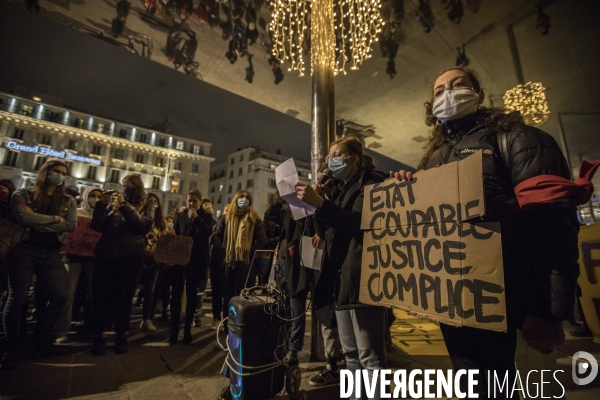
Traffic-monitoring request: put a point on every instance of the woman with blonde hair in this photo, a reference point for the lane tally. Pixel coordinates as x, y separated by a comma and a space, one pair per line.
124, 220
46, 213
240, 234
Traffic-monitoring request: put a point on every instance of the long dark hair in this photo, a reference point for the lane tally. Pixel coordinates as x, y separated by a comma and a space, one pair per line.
159, 219
138, 200
58, 199
496, 117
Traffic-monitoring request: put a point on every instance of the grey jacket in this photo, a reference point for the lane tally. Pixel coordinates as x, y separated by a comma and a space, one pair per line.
42, 222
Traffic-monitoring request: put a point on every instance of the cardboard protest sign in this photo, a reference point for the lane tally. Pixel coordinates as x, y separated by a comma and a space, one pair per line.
423, 252
82, 241
589, 278
173, 250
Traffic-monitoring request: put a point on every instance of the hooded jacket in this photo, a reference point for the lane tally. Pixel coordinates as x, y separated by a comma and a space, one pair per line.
340, 218
86, 210
539, 244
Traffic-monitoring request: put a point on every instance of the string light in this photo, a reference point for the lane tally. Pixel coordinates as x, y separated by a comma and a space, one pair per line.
530, 100
340, 32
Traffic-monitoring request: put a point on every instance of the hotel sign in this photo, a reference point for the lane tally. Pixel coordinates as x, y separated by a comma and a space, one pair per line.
46, 151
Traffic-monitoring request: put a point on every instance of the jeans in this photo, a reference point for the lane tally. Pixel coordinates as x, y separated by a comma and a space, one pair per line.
331, 342
298, 306
217, 280
362, 336
148, 280
472, 348
23, 262
114, 284
190, 277
66, 315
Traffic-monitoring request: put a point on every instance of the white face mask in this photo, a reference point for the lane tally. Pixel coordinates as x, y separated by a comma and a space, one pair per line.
455, 104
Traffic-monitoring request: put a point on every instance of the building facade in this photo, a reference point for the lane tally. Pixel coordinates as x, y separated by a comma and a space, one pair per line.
253, 170
99, 151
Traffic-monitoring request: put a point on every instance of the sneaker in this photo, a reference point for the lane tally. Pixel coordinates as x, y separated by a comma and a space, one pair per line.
324, 378
215, 325
197, 322
121, 345
98, 347
148, 326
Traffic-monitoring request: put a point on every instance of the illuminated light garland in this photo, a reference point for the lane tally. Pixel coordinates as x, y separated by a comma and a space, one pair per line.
530, 100
340, 31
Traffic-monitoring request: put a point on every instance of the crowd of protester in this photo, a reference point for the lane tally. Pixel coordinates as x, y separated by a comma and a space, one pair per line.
86, 295
240, 249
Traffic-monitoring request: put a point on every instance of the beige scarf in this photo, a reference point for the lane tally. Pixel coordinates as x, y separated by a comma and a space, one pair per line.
239, 239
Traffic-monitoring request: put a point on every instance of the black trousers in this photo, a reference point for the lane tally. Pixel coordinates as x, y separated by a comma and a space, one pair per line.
190, 277
217, 281
235, 279
485, 350
113, 285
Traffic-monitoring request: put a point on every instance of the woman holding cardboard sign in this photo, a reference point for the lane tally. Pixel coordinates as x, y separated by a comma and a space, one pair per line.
124, 219
523, 170
361, 328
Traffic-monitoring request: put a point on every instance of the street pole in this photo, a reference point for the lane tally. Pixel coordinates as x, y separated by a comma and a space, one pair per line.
323, 116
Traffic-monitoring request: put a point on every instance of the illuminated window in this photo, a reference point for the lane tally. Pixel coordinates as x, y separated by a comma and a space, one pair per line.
175, 186
26, 110
100, 128
160, 162
180, 145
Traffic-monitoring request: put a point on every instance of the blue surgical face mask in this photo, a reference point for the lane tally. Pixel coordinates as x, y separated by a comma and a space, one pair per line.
338, 167
243, 203
54, 179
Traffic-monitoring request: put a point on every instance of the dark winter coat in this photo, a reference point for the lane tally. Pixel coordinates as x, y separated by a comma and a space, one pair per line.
539, 244
199, 229
123, 231
340, 217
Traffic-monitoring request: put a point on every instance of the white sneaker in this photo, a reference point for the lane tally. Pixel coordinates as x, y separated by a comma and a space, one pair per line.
148, 326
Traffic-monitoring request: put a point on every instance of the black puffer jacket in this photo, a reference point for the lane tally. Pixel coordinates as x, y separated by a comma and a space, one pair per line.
340, 217
539, 244
123, 231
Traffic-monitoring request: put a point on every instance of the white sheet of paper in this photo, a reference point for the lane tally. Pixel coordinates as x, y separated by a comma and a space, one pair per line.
311, 257
286, 177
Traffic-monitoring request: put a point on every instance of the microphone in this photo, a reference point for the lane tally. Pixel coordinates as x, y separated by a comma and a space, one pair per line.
326, 175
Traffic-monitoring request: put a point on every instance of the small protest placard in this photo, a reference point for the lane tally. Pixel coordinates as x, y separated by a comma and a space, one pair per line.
173, 250
82, 241
423, 251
